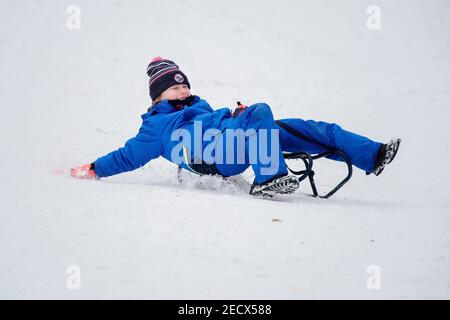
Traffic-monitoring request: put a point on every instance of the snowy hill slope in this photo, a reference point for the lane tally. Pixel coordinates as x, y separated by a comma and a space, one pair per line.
70, 96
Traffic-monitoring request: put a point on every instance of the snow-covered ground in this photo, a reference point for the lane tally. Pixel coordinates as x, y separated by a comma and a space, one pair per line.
69, 96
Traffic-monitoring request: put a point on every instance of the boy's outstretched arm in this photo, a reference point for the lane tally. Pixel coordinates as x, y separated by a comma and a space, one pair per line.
135, 153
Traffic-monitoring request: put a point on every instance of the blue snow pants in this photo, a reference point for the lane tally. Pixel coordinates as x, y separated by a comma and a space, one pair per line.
256, 117
319, 137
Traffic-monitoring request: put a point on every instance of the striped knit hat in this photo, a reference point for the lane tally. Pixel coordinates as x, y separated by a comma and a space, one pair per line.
163, 74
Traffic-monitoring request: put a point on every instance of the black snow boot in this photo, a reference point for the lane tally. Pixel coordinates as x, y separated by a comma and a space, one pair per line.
385, 156
280, 184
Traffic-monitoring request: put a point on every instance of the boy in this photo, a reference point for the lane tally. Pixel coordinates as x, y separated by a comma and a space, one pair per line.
177, 114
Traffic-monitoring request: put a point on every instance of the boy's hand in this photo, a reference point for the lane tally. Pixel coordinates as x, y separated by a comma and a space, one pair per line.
239, 109
85, 171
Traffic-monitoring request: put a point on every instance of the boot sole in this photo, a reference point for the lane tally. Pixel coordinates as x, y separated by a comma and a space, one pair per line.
284, 185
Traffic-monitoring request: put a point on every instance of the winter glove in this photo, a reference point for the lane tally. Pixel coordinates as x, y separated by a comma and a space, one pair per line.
85, 171
239, 109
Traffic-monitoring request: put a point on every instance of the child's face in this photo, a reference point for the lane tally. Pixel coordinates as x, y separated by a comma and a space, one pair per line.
176, 92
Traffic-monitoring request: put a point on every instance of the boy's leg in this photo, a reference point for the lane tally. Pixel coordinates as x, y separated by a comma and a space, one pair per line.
266, 159
322, 135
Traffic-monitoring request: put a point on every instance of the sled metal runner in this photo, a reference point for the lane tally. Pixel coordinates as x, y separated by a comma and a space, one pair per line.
309, 172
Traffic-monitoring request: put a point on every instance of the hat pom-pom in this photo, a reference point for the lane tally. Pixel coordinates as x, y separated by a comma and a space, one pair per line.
157, 59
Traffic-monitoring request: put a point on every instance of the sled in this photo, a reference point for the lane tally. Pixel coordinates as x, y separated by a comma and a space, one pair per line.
307, 158
308, 172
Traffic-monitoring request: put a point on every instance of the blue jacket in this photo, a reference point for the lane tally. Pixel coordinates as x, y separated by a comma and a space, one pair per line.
154, 136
